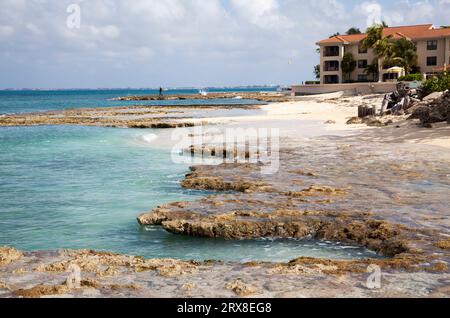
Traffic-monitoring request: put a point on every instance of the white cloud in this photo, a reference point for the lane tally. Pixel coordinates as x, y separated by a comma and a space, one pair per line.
187, 42
372, 11
109, 31
34, 29
6, 30
263, 13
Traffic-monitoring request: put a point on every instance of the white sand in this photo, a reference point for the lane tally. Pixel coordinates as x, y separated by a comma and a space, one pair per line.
339, 110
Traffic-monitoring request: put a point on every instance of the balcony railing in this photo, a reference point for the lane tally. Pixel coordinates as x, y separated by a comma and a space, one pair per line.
331, 51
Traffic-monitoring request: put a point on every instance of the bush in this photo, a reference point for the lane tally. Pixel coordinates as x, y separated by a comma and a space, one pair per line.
411, 78
436, 84
312, 82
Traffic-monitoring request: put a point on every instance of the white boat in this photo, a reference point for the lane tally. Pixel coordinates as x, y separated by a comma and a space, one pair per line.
203, 92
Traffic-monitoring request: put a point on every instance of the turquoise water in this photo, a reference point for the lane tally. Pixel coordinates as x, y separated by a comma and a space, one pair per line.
82, 187
34, 101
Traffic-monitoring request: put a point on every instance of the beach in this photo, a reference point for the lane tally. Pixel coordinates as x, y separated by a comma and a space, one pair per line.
382, 187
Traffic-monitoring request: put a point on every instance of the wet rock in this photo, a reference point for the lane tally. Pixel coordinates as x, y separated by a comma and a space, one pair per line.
41, 290
373, 122
9, 255
105, 264
315, 190
304, 173
264, 97
188, 287
355, 121
3, 285
445, 245
240, 288
199, 182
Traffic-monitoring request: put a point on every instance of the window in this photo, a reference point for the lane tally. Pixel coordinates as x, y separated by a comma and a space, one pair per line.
432, 45
362, 63
362, 50
432, 61
331, 51
331, 66
362, 78
331, 79
388, 77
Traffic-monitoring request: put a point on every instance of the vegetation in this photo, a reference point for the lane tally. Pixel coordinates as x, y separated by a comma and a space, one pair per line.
411, 78
372, 70
390, 53
437, 84
350, 31
353, 30
312, 82
317, 71
382, 46
336, 34
405, 55
348, 64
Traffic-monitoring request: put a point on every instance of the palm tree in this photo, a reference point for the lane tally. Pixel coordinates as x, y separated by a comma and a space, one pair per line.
405, 55
372, 70
348, 64
317, 71
381, 45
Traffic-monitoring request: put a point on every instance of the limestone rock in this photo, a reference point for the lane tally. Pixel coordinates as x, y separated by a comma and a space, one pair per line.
9, 255
240, 288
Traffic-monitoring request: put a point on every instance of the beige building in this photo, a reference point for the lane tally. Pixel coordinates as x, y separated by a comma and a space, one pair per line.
433, 50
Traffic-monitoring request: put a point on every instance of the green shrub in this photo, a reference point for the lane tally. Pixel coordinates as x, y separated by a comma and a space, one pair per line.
312, 82
436, 84
411, 78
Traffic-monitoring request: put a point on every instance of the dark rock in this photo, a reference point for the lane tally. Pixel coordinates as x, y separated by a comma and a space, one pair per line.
373, 122
354, 121
435, 111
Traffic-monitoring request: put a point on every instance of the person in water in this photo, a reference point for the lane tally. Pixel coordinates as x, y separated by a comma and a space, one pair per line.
160, 92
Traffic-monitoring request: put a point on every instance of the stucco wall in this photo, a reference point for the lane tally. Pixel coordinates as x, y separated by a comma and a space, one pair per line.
369, 56
349, 89
423, 53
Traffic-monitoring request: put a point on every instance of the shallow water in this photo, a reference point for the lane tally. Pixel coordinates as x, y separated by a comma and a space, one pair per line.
82, 187
35, 101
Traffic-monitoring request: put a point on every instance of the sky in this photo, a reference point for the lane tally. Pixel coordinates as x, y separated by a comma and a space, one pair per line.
182, 43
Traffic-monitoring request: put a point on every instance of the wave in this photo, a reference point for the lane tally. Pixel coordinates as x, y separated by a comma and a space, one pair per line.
148, 138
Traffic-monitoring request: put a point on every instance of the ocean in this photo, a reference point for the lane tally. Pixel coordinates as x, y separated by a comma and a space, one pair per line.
83, 187
27, 101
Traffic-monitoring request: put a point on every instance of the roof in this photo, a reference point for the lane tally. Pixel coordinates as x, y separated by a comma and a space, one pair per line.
413, 32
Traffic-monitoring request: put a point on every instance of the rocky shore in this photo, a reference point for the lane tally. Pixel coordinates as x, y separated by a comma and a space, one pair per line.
121, 117
386, 194
269, 97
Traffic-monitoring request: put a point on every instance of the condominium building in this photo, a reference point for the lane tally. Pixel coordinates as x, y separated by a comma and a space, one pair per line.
433, 50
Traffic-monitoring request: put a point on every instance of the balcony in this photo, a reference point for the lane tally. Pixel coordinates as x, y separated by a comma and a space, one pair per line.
331, 66
331, 51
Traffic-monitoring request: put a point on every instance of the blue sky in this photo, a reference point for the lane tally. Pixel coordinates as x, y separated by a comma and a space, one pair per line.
151, 43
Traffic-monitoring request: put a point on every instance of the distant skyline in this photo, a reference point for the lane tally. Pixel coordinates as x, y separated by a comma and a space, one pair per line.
181, 43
